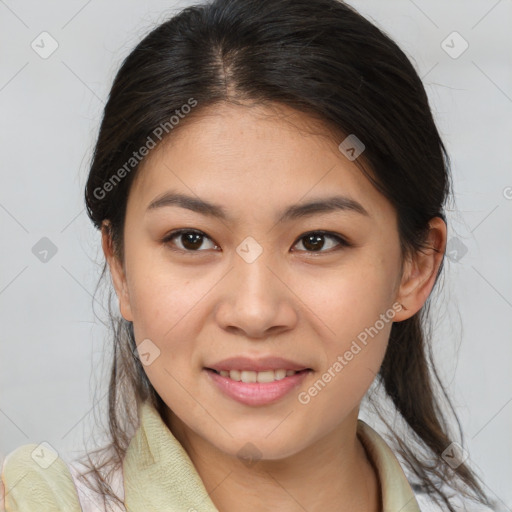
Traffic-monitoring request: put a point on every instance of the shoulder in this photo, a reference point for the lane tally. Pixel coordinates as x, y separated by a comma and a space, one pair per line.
35, 478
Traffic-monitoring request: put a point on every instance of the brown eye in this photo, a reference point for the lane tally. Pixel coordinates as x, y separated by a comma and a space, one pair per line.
315, 241
190, 240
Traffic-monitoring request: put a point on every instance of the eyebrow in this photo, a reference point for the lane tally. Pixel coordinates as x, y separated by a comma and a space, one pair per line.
293, 212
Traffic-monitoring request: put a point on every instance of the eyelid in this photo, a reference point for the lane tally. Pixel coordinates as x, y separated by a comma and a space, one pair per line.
342, 241
177, 232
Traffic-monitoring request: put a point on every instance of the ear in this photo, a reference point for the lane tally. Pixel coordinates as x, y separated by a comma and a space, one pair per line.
117, 272
420, 271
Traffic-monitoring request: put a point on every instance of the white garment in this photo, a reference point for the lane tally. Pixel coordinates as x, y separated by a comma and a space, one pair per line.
90, 501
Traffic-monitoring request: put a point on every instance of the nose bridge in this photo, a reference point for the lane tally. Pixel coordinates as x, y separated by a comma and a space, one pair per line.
257, 299
251, 268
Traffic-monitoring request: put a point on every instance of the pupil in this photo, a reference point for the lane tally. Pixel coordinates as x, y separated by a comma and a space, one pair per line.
191, 240
315, 241
194, 240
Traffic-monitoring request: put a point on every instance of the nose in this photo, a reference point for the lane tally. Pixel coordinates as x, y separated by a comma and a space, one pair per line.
257, 300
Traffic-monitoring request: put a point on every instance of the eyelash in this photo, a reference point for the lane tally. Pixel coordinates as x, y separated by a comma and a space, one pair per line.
343, 243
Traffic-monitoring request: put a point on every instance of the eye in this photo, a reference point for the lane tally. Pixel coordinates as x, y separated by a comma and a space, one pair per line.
314, 241
191, 239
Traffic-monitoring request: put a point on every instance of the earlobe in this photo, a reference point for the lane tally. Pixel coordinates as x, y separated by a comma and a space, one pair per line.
420, 271
116, 271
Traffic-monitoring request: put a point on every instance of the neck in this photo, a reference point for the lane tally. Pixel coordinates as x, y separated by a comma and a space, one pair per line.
332, 474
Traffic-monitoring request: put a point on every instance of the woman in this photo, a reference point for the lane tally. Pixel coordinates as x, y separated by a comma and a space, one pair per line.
269, 184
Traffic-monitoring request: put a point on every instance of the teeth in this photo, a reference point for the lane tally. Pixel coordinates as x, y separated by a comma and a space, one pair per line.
249, 376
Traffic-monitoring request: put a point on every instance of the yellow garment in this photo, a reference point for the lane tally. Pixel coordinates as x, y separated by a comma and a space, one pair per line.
159, 476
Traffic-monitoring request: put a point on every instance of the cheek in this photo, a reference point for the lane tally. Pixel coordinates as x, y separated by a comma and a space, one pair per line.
162, 296
353, 298
355, 308
358, 317
165, 304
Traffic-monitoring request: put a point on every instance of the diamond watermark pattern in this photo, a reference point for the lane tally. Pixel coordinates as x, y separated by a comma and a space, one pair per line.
44, 250
44, 455
351, 147
455, 455
249, 250
455, 249
249, 454
454, 45
44, 45
147, 351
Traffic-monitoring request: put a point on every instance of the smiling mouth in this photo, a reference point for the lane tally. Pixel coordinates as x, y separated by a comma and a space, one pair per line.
248, 376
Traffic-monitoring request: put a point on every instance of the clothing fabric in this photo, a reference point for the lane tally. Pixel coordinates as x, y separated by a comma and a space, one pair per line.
157, 475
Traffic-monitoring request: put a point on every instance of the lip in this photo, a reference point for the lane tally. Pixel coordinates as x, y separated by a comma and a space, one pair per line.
256, 393
257, 365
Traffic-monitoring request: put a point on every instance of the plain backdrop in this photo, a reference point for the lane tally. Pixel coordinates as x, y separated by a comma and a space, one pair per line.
52, 345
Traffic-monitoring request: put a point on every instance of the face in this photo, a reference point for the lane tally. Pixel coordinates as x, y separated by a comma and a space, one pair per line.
318, 287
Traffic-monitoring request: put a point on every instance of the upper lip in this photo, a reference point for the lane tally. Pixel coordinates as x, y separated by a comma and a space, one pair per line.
257, 365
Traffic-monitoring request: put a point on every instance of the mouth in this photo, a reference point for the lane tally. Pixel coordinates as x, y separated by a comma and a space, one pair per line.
249, 376
257, 388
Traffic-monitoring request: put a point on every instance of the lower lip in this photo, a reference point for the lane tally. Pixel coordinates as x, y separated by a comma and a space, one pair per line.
257, 393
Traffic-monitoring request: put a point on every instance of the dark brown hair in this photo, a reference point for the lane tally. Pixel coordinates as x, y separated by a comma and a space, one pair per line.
322, 58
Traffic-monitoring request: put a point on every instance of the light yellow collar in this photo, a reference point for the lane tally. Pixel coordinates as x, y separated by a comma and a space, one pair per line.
159, 474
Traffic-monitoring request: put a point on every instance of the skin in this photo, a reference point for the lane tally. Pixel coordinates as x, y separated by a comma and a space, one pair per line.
204, 306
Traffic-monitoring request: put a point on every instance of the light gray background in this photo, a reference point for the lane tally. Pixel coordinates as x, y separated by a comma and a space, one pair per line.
51, 342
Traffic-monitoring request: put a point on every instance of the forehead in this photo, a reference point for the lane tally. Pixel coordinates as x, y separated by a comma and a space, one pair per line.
255, 158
